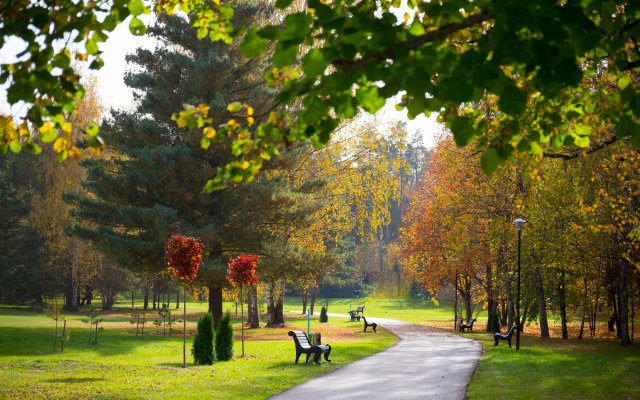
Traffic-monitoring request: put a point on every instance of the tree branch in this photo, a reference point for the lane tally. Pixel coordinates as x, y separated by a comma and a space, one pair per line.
575, 154
416, 42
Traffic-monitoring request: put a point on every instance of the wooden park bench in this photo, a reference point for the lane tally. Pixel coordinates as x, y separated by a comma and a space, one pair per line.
498, 336
366, 325
304, 347
355, 314
468, 326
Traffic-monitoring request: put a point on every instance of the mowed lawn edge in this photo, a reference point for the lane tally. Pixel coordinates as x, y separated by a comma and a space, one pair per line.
124, 366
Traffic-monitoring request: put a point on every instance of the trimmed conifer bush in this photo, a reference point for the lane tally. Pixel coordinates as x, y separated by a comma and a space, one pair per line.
493, 324
202, 349
224, 339
323, 315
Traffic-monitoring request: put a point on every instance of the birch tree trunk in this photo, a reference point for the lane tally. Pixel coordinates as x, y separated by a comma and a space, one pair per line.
253, 317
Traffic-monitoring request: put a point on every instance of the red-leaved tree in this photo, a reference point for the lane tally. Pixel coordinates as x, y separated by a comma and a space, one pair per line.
184, 256
241, 271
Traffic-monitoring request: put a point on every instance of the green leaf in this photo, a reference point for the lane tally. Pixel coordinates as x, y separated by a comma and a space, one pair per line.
33, 148
489, 160
624, 82
282, 4
48, 136
61, 156
369, 99
285, 56
253, 45
416, 28
313, 63
15, 146
91, 46
462, 131
136, 7
512, 100
137, 27
581, 129
3, 148
581, 141
92, 129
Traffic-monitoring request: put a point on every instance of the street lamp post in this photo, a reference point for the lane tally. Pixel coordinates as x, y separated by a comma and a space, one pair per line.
519, 223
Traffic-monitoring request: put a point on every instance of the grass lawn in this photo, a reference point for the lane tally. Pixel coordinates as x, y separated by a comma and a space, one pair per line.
124, 366
556, 369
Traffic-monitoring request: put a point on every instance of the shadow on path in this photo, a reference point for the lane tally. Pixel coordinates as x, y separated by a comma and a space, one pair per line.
426, 363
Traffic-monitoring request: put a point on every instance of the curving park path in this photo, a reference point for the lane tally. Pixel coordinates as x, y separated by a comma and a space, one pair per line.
426, 363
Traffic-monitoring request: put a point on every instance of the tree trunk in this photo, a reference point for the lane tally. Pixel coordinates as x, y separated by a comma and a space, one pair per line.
268, 288
72, 298
252, 307
584, 304
305, 296
624, 305
504, 314
563, 306
132, 300
313, 298
542, 304
215, 304
178, 300
511, 314
155, 296
466, 296
280, 301
146, 297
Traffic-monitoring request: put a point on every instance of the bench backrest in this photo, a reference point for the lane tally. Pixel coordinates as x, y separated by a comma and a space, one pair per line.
360, 309
300, 338
471, 321
513, 328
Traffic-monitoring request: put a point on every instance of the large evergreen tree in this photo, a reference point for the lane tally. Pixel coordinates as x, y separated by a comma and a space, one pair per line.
151, 182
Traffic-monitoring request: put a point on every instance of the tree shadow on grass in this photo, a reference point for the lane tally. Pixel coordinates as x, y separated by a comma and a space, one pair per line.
74, 380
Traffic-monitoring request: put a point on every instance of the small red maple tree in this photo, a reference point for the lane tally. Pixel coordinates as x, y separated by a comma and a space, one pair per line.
242, 270
183, 254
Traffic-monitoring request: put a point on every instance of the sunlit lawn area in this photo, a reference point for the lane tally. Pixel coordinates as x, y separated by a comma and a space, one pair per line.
556, 369
124, 366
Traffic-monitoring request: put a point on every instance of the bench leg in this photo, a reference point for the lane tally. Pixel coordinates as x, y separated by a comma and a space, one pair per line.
316, 356
326, 355
509, 341
308, 354
496, 340
374, 326
298, 356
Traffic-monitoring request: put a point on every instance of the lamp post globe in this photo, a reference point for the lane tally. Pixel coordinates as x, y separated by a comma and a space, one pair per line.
519, 223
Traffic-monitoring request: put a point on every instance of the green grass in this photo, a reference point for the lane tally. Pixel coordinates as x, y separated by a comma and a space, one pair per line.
556, 369
127, 367
400, 309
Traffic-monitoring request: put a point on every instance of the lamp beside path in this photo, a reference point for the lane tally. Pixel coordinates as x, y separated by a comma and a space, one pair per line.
519, 223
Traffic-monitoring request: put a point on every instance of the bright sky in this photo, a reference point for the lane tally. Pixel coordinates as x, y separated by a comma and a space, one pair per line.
117, 95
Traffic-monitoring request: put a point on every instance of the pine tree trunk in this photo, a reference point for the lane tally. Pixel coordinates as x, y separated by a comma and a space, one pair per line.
252, 307
72, 298
215, 304
624, 305
146, 297
542, 304
305, 297
313, 298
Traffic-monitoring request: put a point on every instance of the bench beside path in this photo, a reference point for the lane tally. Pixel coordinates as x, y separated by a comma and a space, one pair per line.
426, 363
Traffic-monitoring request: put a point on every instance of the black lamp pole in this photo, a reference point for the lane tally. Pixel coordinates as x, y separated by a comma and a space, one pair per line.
519, 223
518, 299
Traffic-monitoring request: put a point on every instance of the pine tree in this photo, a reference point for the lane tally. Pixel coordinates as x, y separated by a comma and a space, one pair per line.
224, 339
202, 349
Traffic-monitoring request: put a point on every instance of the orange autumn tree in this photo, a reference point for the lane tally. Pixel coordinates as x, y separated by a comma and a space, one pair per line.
241, 271
183, 254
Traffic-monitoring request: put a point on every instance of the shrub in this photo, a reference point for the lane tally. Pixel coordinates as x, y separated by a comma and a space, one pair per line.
493, 324
323, 315
202, 349
224, 339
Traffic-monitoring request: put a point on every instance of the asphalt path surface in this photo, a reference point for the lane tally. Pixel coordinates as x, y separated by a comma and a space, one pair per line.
426, 363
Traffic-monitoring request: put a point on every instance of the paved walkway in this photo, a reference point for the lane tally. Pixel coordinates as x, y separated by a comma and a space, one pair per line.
425, 364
